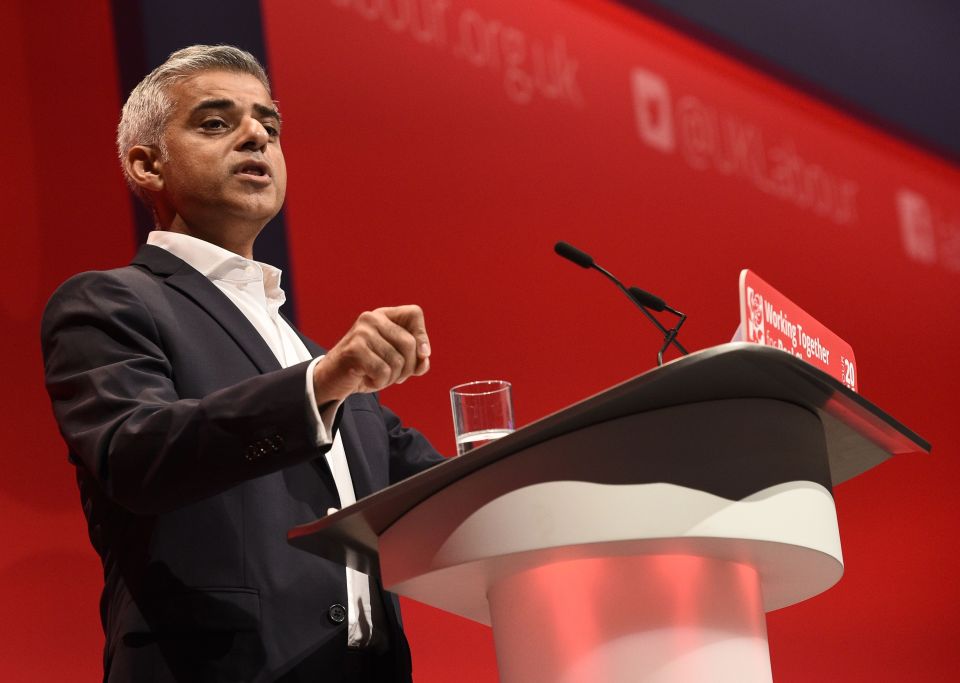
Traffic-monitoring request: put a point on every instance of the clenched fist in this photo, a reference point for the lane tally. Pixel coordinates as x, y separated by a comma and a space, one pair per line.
384, 347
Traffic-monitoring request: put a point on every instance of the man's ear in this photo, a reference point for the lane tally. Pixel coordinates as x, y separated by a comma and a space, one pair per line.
145, 167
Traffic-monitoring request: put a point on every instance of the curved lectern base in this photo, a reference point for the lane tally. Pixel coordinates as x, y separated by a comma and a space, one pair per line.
740, 484
657, 619
601, 556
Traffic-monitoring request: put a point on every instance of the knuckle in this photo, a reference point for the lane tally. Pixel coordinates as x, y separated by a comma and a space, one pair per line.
407, 345
353, 347
383, 374
361, 333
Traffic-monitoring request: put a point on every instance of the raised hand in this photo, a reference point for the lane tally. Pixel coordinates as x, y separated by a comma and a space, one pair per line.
384, 347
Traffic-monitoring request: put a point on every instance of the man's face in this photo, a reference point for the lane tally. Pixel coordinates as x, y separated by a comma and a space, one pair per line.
224, 166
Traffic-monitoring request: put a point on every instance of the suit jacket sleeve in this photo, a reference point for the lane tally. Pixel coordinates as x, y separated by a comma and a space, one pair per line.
114, 396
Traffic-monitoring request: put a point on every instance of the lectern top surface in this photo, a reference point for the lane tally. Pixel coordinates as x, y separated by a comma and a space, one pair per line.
859, 434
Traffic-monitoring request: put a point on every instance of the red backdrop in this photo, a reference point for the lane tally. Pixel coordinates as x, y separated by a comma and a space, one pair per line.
65, 208
437, 149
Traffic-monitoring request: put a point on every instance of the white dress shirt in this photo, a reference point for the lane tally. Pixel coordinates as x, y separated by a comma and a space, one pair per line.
254, 288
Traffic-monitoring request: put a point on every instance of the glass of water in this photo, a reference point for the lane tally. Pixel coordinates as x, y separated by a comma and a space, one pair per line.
482, 412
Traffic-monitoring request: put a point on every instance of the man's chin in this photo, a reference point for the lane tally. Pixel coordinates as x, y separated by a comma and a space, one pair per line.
258, 207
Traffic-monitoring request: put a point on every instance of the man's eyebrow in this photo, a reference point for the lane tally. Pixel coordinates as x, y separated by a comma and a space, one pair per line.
222, 103
266, 111
225, 103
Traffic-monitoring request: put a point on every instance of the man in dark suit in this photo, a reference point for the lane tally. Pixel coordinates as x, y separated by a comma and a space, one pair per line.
203, 427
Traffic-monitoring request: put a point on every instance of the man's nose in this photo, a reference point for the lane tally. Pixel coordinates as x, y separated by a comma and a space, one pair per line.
254, 135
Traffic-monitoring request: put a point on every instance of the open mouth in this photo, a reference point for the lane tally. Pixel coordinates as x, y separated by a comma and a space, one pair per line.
253, 168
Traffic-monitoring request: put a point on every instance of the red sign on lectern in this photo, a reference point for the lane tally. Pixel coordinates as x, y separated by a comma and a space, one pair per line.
768, 317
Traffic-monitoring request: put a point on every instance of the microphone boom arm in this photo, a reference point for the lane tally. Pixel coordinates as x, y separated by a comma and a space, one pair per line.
670, 335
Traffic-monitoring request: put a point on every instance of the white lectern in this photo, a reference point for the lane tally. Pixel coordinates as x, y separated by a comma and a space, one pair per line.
641, 534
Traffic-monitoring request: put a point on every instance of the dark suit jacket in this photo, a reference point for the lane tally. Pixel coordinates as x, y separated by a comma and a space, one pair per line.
194, 457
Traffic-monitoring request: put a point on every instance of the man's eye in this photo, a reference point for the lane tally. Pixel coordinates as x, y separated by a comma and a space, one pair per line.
213, 124
272, 131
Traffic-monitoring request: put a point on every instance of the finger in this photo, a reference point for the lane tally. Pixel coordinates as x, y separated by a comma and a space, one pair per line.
382, 349
410, 317
402, 342
370, 365
390, 342
349, 367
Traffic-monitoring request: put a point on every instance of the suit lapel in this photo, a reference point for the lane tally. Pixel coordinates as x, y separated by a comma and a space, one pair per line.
313, 348
190, 282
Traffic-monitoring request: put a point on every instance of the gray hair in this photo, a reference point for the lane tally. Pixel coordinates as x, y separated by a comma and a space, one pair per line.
149, 106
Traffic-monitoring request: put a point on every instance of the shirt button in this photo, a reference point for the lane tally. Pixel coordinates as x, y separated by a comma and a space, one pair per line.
337, 613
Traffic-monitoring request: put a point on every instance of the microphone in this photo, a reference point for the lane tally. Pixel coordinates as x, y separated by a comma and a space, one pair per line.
571, 253
647, 299
585, 260
641, 298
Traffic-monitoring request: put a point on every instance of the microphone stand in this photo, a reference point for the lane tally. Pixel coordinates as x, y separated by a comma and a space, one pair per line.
670, 336
640, 298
